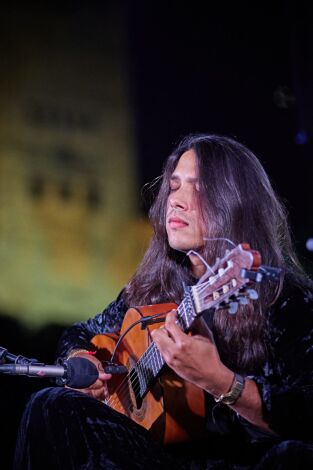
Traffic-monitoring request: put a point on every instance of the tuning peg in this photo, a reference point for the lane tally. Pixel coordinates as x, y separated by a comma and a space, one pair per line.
252, 294
215, 295
233, 307
251, 275
243, 300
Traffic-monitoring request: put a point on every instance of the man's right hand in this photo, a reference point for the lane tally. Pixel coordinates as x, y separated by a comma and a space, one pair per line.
99, 389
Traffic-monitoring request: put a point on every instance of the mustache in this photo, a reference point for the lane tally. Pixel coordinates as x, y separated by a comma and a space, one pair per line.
173, 214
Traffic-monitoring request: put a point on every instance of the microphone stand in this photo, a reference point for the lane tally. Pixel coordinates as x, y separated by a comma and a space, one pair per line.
5, 356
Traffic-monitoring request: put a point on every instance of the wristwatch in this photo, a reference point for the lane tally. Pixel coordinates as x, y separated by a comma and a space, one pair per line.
234, 393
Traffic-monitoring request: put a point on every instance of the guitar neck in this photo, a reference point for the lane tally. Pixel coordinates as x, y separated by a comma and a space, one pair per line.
151, 362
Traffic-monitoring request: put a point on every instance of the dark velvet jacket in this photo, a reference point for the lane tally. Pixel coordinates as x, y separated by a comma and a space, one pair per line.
285, 383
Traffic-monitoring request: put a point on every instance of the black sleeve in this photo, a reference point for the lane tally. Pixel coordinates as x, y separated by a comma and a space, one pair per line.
79, 335
286, 384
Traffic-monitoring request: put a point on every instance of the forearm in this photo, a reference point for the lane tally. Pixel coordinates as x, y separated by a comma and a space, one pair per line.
249, 405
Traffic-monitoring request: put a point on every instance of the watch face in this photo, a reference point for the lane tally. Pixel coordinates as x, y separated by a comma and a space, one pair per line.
228, 400
231, 397
234, 393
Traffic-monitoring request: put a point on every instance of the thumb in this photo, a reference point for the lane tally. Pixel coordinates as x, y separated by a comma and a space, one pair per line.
104, 376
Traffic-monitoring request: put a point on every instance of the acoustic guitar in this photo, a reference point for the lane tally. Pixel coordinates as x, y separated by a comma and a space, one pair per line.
149, 392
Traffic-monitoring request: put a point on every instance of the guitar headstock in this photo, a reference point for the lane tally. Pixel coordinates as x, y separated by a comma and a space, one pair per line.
228, 282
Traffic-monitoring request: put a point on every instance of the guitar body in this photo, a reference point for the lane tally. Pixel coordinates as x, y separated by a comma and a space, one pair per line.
173, 409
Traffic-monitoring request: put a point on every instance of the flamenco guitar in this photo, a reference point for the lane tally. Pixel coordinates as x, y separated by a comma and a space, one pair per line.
149, 392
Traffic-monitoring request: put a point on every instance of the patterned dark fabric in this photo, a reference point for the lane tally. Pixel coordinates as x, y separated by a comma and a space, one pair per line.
63, 428
66, 429
286, 384
79, 335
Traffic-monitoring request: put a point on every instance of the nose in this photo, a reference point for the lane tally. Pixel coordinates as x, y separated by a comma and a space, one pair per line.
180, 199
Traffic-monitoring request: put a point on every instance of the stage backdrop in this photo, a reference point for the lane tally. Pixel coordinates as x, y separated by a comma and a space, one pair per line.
70, 230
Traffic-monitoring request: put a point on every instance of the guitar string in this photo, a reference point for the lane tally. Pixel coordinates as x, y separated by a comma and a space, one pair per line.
122, 391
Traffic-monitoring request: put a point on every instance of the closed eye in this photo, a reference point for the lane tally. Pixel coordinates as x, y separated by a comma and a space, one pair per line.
174, 183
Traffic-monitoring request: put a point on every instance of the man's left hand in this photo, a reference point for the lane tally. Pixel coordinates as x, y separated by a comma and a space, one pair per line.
194, 358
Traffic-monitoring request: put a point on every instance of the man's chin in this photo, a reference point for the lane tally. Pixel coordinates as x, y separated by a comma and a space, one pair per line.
183, 246
179, 246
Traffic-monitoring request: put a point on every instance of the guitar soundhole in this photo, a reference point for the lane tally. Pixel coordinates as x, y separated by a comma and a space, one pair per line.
138, 404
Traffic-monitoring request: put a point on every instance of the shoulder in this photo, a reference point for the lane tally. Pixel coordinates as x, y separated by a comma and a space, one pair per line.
117, 307
111, 317
295, 303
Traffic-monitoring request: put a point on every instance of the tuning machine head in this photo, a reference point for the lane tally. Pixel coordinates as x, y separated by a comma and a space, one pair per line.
232, 308
252, 294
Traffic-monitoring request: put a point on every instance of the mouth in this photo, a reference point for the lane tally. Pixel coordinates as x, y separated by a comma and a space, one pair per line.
177, 222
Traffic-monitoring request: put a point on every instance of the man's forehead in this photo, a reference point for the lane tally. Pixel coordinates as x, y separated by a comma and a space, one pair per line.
186, 166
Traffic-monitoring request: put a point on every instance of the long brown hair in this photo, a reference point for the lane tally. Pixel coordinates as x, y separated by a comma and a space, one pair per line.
238, 200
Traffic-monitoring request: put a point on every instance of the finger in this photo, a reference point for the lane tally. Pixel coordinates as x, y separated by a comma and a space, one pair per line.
99, 394
166, 346
104, 376
96, 385
172, 327
161, 339
97, 390
106, 393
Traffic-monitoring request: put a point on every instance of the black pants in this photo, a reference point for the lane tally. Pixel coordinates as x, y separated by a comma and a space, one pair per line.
66, 429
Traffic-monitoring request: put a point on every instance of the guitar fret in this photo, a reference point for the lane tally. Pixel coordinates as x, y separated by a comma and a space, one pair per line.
184, 318
146, 373
160, 360
154, 364
141, 377
185, 311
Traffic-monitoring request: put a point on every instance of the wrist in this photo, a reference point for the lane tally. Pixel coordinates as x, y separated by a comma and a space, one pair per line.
79, 352
222, 382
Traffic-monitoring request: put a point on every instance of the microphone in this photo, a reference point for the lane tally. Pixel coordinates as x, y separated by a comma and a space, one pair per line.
76, 372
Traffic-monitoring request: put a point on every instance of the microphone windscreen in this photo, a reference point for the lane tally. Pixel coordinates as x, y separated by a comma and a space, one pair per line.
81, 373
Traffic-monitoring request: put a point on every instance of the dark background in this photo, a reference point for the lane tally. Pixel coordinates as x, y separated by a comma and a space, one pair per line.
234, 69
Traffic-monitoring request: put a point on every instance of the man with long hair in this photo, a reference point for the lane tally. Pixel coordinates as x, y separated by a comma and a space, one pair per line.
253, 366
